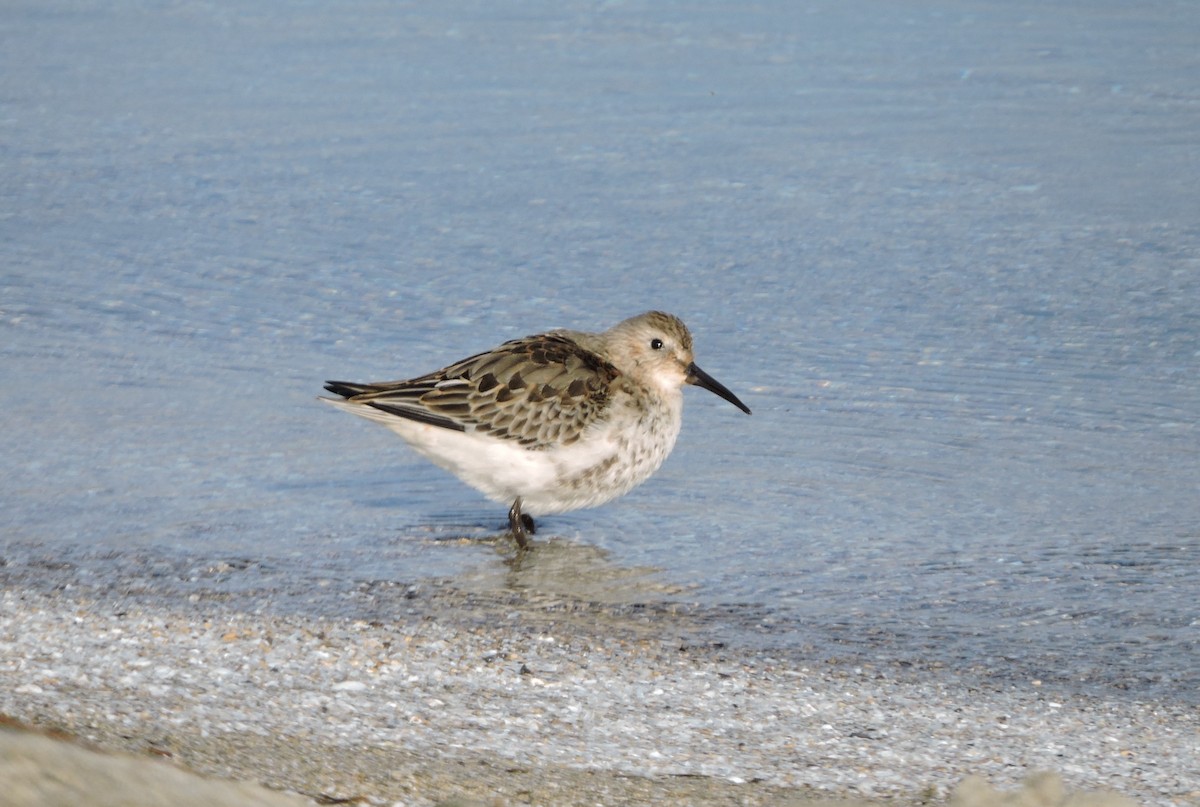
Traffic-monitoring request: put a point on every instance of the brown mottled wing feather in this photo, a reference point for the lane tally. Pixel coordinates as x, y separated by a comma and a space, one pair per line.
538, 391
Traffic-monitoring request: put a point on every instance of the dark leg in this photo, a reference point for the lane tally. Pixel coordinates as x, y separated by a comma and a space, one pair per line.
519, 524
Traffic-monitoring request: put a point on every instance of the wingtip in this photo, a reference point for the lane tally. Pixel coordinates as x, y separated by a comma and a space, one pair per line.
343, 388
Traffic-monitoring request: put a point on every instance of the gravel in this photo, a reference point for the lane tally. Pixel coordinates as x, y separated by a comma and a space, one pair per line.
519, 704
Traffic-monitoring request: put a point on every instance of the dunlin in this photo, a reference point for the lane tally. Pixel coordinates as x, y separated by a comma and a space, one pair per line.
552, 422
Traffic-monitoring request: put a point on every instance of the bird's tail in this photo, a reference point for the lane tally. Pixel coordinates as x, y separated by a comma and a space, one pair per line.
347, 389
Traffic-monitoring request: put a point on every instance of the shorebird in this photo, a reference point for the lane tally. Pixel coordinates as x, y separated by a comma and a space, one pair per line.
552, 422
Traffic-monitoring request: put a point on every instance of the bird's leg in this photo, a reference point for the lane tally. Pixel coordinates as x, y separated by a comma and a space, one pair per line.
519, 525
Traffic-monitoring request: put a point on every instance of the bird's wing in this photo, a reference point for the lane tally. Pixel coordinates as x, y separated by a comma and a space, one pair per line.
537, 391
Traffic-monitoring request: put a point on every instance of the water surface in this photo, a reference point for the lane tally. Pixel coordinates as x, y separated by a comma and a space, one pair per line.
947, 253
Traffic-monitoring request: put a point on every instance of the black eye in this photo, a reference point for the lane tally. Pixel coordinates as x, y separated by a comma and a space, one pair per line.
656, 344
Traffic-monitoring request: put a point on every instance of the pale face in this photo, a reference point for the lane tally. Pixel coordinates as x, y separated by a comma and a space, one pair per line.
654, 348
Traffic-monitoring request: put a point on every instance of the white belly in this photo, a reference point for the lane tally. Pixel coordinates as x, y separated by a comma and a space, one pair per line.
609, 460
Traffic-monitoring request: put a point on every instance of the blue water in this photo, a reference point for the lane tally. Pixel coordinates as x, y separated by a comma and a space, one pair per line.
949, 254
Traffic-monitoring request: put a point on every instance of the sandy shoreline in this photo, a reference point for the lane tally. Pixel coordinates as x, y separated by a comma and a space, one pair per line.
551, 706
55, 772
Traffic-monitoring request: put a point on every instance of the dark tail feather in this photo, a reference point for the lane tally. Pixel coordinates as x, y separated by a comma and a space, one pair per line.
346, 389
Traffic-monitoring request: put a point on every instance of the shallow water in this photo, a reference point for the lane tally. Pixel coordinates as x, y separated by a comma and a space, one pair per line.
947, 253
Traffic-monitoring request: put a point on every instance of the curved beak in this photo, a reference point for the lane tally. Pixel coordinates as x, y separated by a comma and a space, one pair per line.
702, 379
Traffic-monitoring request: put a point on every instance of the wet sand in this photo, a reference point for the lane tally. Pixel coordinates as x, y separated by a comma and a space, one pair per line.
511, 695
37, 769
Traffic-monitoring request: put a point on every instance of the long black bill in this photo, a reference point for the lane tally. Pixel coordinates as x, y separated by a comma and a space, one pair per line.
702, 379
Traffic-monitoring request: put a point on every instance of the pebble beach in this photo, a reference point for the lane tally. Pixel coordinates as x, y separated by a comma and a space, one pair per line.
520, 698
